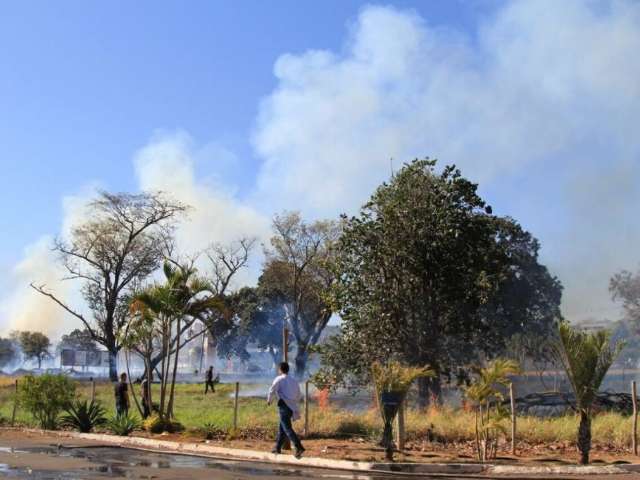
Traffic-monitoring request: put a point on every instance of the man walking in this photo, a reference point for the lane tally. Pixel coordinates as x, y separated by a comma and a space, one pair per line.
288, 392
208, 381
122, 395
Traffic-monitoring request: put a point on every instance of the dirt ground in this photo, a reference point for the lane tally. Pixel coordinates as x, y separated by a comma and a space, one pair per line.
342, 449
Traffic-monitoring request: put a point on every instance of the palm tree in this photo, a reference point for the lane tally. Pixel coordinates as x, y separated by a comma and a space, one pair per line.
486, 393
586, 358
183, 296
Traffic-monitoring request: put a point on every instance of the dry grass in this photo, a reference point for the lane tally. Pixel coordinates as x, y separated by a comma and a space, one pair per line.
257, 420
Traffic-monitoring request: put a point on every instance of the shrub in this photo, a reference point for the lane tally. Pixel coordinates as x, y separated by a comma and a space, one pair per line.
155, 424
84, 416
123, 425
45, 397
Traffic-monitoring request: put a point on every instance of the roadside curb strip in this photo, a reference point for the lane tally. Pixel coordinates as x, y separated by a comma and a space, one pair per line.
201, 449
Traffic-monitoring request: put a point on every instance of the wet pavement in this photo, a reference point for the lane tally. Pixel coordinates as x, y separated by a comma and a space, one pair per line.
114, 462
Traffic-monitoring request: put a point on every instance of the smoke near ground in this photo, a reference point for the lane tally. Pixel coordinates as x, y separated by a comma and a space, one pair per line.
540, 105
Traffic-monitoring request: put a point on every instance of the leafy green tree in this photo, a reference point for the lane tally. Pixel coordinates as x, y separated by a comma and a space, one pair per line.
34, 345
122, 240
586, 358
297, 274
258, 320
8, 351
45, 396
77, 339
428, 276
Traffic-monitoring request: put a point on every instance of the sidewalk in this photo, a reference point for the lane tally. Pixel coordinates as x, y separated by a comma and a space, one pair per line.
466, 469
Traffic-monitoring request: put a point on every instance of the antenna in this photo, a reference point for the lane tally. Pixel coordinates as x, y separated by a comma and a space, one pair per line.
391, 166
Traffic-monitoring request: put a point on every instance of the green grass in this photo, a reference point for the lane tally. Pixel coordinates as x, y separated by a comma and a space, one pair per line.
257, 420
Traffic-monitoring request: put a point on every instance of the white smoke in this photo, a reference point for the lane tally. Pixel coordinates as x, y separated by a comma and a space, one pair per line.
543, 102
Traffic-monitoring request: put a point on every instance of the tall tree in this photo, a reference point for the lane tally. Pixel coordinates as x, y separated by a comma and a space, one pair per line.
297, 273
625, 287
427, 275
122, 241
34, 345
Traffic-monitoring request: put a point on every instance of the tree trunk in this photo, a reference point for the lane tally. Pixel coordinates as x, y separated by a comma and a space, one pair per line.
429, 390
113, 365
301, 361
584, 436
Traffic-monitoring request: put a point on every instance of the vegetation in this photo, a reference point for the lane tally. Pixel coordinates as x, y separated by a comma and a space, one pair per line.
84, 416
586, 358
45, 396
625, 288
78, 340
163, 308
392, 382
123, 425
426, 274
123, 241
34, 345
485, 391
297, 275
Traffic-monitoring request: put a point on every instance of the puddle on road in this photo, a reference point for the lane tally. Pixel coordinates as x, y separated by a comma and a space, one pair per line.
118, 462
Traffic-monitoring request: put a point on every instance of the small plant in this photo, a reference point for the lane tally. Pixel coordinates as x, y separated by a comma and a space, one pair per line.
486, 396
84, 416
210, 431
45, 397
155, 424
123, 425
392, 382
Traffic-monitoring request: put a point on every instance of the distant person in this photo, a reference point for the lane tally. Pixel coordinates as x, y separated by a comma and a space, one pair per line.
288, 392
122, 395
208, 381
144, 394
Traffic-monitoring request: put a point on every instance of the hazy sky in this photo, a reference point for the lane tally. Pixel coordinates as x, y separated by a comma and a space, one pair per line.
246, 108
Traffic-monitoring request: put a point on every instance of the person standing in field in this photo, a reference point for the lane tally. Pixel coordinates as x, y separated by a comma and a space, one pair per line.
288, 392
208, 381
122, 395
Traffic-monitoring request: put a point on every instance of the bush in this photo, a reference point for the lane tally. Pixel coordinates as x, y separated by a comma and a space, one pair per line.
45, 397
123, 425
84, 416
155, 424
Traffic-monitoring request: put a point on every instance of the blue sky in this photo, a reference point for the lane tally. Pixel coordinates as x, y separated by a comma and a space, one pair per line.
247, 108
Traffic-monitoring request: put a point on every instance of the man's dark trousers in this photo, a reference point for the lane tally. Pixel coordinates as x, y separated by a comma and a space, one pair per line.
286, 430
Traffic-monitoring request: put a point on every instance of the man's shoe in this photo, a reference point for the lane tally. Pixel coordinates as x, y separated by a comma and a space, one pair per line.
275, 451
298, 452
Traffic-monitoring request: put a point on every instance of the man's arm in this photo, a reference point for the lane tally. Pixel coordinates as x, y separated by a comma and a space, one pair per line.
272, 390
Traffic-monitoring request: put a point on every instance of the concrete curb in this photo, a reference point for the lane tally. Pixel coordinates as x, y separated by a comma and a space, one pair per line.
443, 469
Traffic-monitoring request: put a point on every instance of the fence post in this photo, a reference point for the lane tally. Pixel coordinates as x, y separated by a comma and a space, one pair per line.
306, 408
235, 407
400, 434
15, 405
634, 434
93, 390
513, 419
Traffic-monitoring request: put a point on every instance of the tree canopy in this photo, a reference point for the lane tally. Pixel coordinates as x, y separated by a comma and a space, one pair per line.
34, 345
426, 274
122, 240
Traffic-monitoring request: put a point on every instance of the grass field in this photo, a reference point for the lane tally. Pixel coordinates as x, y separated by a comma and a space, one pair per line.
256, 420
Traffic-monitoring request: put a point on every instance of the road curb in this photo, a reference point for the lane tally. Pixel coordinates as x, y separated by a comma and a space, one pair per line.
466, 469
